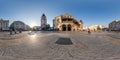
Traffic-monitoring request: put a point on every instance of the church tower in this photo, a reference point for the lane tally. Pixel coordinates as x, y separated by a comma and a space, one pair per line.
81, 25
43, 21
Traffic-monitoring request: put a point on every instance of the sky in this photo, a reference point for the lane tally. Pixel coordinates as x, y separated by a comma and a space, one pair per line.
91, 12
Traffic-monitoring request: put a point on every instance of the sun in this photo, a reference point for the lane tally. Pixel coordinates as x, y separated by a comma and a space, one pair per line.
32, 25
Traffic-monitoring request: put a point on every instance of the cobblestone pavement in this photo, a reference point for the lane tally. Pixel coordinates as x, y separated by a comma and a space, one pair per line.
43, 46
7, 36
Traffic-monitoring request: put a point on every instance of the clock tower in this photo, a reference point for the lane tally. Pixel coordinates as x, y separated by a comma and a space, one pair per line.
43, 21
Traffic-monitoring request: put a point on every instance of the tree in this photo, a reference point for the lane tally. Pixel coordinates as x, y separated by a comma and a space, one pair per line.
98, 28
47, 26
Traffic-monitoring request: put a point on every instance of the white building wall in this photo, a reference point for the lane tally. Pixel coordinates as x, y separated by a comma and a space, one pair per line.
4, 24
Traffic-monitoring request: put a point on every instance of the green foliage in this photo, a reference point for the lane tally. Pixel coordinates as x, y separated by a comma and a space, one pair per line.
47, 27
98, 28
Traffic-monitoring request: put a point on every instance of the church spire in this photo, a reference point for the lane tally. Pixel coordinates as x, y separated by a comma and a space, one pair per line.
81, 21
43, 14
43, 17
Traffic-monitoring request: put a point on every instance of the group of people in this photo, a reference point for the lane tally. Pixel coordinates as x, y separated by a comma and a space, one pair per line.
15, 31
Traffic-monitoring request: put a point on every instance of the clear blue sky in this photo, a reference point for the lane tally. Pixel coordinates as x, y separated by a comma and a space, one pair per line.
99, 12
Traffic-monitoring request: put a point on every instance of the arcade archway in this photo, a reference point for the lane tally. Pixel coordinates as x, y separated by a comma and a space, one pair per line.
69, 27
64, 28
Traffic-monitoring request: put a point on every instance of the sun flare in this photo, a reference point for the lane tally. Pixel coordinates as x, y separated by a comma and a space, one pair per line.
32, 25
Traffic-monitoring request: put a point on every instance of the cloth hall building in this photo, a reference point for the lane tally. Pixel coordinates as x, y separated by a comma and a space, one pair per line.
66, 22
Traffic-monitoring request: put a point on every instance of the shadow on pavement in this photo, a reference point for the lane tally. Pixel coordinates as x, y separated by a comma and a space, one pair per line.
64, 41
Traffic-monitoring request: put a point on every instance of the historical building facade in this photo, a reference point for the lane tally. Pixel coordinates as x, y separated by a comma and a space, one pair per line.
66, 22
114, 25
18, 25
43, 21
4, 25
96, 27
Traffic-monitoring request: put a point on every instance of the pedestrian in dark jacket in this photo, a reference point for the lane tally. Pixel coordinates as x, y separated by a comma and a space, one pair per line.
89, 32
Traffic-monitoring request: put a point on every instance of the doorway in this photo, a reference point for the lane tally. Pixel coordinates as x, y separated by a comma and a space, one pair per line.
69, 27
63, 27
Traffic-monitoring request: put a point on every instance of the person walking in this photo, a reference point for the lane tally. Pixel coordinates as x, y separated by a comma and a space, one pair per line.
10, 31
89, 32
20, 30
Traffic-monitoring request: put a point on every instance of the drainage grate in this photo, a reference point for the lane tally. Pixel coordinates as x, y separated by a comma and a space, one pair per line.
64, 41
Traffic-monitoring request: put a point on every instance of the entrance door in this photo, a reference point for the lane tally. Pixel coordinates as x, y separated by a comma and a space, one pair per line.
63, 27
69, 27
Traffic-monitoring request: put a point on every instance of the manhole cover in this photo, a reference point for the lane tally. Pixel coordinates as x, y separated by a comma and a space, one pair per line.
64, 41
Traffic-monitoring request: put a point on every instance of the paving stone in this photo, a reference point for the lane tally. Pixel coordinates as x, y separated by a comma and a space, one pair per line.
61, 46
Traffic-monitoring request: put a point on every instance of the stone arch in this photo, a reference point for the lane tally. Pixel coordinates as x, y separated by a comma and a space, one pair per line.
69, 27
64, 27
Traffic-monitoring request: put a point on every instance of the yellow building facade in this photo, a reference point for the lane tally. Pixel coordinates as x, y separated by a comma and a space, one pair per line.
66, 22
